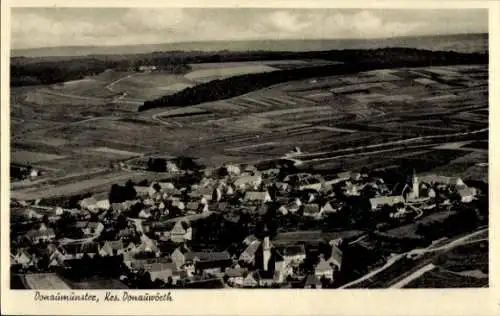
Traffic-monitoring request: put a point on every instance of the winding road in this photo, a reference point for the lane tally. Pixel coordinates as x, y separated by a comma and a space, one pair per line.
417, 252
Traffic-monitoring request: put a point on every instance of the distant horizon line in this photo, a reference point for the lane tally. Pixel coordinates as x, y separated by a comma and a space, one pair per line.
248, 40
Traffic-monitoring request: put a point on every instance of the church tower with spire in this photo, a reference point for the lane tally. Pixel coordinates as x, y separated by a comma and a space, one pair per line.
266, 252
415, 185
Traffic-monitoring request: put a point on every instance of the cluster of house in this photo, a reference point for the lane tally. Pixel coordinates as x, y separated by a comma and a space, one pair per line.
156, 242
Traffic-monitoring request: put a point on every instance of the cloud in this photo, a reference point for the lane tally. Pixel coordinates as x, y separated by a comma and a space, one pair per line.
36, 27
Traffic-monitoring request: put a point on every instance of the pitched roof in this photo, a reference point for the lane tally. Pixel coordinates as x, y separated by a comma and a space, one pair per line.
292, 250
88, 201
153, 264
200, 191
193, 205
113, 245
386, 200
249, 239
336, 256
466, 192
244, 180
236, 272
35, 233
256, 196
89, 247
323, 265
141, 189
208, 255
311, 208
433, 178
166, 185
252, 248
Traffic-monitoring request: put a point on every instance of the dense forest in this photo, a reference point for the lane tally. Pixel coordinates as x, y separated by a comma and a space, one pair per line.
353, 61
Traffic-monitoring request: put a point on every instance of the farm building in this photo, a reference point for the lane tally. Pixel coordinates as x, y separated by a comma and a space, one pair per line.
378, 202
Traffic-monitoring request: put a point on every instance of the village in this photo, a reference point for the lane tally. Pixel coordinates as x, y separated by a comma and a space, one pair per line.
222, 230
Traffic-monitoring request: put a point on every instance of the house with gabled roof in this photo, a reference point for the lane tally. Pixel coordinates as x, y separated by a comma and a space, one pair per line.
77, 250
327, 208
210, 262
236, 276
324, 269
204, 256
178, 256
257, 197
176, 202
250, 280
378, 202
467, 194
441, 180
90, 228
194, 207
248, 255
250, 239
248, 181
111, 248
292, 254
143, 191
23, 258
43, 233
145, 213
233, 169
147, 245
181, 232
312, 210
123, 206
96, 203
202, 193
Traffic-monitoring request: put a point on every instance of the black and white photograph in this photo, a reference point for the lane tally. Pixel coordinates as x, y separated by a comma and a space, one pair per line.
248, 148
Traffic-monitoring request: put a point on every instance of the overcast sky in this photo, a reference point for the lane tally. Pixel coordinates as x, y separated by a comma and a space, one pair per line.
41, 27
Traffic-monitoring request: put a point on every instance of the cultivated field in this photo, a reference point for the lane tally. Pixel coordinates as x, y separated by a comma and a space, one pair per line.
375, 119
464, 266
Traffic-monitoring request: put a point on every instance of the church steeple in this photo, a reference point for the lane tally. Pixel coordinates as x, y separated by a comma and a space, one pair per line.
415, 185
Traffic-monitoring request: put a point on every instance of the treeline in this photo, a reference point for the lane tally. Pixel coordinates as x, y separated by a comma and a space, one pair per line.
48, 70
26, 71
354, 61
